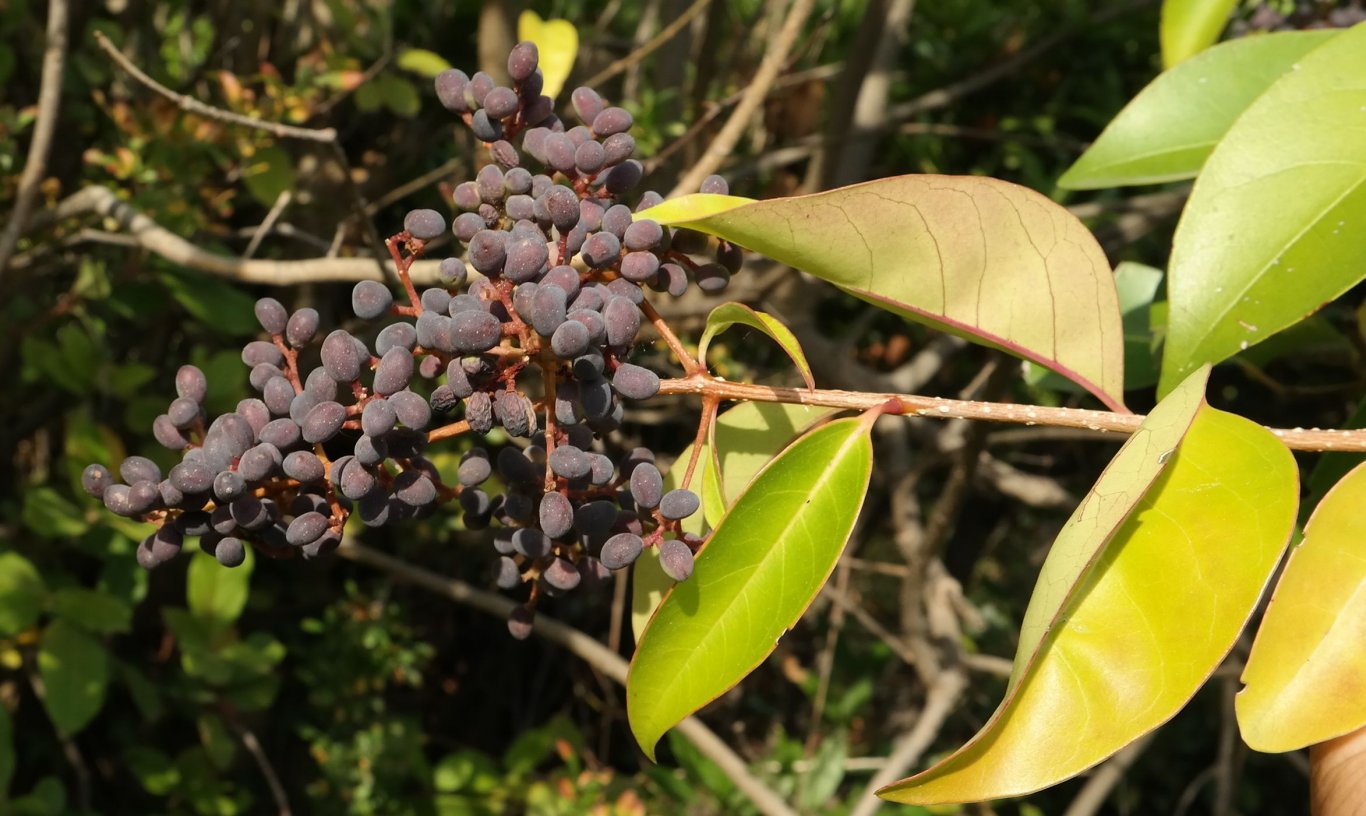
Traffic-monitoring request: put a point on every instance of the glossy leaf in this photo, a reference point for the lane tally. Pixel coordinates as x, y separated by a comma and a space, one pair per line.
1190, 26
748, 436
216, 593
557, 42
1306, 677
1273, 229
74, 668
21, 594
729, 314
1137, 285
755, 577
1168, 130
1144, 592
984, 259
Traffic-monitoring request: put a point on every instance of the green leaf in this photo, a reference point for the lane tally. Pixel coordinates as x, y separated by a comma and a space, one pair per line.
268, 173
1168, 130
748, 437
213, 302
48, 798
984, 259
821, 783
22, 592
422, 62
729, 314
95, 612
1190, 26
219, 744
557, 42
155, 771
1273, 228
774, 551
49, 514
215, 593
75, 671
1303, 679
1143, 594
400, 95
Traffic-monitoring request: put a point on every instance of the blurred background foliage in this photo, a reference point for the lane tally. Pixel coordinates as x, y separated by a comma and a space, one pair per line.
326, 684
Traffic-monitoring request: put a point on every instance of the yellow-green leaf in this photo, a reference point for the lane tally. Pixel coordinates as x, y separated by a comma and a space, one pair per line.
422, 62
1190, 26
748, 436
1273, 228
1168, 130
985, 259
729, 314
557, 42
1145, 591
1306, 677
757, 574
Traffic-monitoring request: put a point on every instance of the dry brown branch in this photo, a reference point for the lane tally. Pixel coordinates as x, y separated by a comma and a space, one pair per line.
584, 647
764, 78
1312, 439
49, 100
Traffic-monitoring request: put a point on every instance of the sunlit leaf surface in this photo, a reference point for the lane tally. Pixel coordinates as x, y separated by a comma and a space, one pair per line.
1168, 130
1306, 676
1274, 226
1144, 592
756, 576
990, 261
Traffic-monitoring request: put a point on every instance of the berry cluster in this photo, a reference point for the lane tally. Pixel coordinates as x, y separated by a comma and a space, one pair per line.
537, 343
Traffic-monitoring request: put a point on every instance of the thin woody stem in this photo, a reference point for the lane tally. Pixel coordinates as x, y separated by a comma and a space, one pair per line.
690, 365
709, 405
1312, 439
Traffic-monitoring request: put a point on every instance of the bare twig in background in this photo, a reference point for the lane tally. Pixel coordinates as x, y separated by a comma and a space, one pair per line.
1104, 779
947, 95
268, 223
192, 105
325, 136
253, 747
764, 77
154, 238
665, 34
868, 118
49, 102
583, 646
497, 36
939, 703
